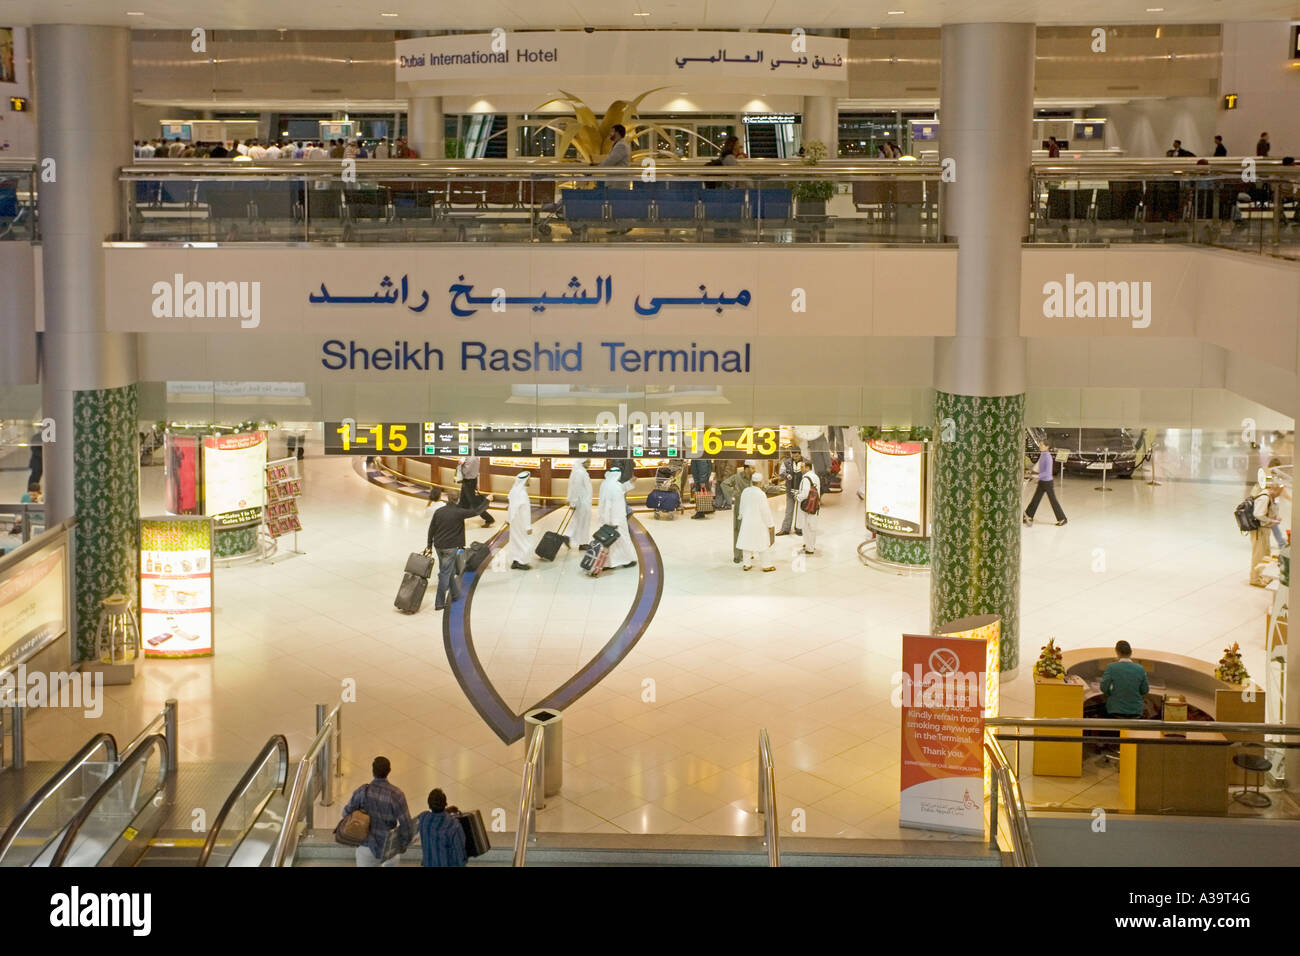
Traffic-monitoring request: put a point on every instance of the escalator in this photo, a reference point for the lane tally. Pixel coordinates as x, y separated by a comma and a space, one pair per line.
105, 808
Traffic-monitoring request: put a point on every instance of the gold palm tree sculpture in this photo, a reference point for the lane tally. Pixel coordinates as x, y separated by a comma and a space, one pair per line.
589, 136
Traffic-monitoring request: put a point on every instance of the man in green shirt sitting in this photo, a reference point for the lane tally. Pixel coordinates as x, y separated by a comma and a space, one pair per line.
1124, 683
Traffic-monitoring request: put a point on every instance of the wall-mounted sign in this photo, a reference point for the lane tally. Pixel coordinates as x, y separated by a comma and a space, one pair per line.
234, 478
18, 104
1230, 101
896, 488
1295, 42
176, 586
33, 599
485, 64
767, 118
942, 758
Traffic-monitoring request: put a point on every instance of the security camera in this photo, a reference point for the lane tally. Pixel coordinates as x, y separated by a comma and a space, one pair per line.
588, 29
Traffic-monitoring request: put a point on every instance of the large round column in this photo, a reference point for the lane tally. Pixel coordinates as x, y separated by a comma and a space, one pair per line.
83, 96
425, 127
987, 83
821, 122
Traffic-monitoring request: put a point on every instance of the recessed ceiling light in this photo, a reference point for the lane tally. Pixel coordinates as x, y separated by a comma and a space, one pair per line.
640, 14
894, 13
134, 13
388, 14
1155, 9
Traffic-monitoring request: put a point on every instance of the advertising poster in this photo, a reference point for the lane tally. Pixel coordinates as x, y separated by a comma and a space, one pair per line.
33, 605
176, 587
234, 478
8, 66
942, 763
896, 488
181, 455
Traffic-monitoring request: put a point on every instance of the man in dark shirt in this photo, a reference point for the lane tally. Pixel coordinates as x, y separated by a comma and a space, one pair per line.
1178, 150
442, 838
1219, 148
219, 151
1263, 146
386, 806
447, 537
1124, 682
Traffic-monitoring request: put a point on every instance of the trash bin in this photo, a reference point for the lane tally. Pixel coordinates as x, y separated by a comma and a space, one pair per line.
549, 723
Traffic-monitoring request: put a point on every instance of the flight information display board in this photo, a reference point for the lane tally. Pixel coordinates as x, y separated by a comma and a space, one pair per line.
635, 440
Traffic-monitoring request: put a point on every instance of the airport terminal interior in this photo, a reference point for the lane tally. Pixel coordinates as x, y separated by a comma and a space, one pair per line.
680, 434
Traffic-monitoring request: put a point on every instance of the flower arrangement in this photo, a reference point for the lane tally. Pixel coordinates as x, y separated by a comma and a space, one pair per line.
1049, 663
813, 190
1230, 668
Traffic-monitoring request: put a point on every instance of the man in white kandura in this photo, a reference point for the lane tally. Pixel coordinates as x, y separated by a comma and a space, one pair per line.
612, 510
520, 516
757, 528
579, 499
809, 498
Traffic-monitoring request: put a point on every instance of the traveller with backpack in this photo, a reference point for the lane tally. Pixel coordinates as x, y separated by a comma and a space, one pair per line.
809, 498
1257, 515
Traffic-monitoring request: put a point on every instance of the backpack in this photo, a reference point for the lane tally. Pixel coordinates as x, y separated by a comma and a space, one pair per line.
1245, 515
813, 503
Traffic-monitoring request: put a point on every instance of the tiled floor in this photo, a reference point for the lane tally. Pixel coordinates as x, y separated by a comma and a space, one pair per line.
809, 655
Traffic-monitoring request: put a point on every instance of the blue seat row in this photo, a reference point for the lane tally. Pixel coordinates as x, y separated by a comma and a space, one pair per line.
675, 202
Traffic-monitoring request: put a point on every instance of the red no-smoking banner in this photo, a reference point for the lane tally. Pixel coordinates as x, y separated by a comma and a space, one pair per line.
941, 695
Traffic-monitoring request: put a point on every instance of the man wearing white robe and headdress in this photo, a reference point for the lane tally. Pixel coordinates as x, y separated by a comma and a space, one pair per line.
756, 526
579, 499
520, 515
612, 510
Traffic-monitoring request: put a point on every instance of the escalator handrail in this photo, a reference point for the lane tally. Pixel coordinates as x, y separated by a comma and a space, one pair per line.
275, 744
107, 741
139, 755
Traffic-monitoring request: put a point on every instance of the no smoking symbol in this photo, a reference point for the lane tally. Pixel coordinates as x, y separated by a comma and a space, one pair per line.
943, 661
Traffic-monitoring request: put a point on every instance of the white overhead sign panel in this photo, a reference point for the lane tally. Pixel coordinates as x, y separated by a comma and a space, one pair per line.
496, 62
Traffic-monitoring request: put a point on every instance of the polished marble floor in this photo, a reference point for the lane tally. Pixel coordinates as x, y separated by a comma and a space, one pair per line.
667, 743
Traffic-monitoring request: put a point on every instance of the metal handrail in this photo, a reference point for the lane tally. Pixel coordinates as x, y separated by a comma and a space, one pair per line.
137, 756
543, 168
1111, 723
107, 741
275, 745
767, 798
531, 796
300, 799
1022, 841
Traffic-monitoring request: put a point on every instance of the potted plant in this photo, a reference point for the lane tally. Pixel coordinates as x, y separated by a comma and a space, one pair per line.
1049, 663
1230, 668
811, 195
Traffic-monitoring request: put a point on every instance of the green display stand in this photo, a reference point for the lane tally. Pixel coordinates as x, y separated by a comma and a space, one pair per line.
911, 551
234, 542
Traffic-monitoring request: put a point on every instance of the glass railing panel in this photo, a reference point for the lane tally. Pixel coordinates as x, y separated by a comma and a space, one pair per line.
17, 203
35, 843
131, 791
247, 810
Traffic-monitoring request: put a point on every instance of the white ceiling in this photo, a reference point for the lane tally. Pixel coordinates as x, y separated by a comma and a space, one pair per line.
682, 14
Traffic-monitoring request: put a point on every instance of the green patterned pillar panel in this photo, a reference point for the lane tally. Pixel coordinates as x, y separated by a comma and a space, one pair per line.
975, 543
106, 473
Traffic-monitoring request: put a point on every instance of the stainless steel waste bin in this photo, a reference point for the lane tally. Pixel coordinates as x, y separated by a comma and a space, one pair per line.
550, 724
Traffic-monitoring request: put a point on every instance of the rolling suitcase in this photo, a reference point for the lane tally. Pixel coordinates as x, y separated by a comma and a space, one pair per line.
476, 838
593, 562
476, 554
551, 541
415, 580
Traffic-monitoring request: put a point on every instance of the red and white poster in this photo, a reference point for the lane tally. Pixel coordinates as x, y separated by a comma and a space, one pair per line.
941, 693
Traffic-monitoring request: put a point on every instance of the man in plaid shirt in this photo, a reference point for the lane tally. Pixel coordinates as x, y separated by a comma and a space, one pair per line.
387, 808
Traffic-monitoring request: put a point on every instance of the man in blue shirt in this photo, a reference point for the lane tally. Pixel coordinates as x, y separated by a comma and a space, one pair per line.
387, 808
1124, 683
442, 838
